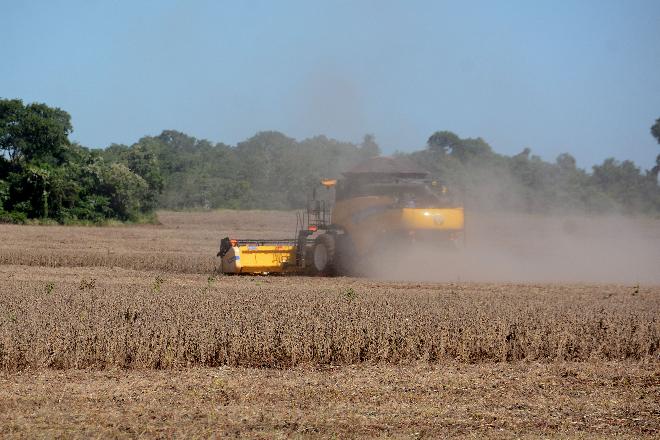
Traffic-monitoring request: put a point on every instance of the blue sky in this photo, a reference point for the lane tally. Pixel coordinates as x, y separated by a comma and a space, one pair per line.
555, 76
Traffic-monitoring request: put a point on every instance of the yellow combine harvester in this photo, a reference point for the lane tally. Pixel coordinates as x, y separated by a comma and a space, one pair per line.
377, 206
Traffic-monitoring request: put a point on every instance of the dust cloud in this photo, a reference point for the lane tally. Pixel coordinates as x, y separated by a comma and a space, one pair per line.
534, 248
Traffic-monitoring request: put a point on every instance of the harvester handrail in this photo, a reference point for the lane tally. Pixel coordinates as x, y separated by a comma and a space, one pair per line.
266, 241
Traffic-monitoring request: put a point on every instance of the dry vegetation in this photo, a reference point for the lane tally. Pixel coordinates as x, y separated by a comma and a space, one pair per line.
504, 400
133, 323
64, 319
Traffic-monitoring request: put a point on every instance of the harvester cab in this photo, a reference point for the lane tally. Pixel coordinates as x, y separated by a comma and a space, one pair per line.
377, 206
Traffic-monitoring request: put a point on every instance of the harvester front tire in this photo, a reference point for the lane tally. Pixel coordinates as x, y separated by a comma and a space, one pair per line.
323, 255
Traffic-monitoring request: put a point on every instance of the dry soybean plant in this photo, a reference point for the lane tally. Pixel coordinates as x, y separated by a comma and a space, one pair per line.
175, 321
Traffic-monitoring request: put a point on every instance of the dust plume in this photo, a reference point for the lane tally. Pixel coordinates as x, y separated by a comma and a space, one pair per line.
330, 102
536, 248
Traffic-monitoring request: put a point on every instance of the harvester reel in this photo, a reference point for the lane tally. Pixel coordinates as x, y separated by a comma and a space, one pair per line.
323, 255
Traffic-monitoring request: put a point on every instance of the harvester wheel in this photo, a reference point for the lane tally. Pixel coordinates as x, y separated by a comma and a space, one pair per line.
323, 255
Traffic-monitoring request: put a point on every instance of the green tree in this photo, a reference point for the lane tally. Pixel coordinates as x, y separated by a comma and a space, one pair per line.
33, 132
124, 190
622, 181
655, 130
4, 195
470, 149
142, 160
566, 162
443, 141
369, 147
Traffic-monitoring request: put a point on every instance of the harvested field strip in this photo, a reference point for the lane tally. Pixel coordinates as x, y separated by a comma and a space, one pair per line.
169, 322
154, 261
504, 400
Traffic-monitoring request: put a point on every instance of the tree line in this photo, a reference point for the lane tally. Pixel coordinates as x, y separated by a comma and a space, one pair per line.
45, 176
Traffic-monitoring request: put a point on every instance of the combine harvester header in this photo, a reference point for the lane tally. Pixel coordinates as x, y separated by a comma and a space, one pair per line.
258, 256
